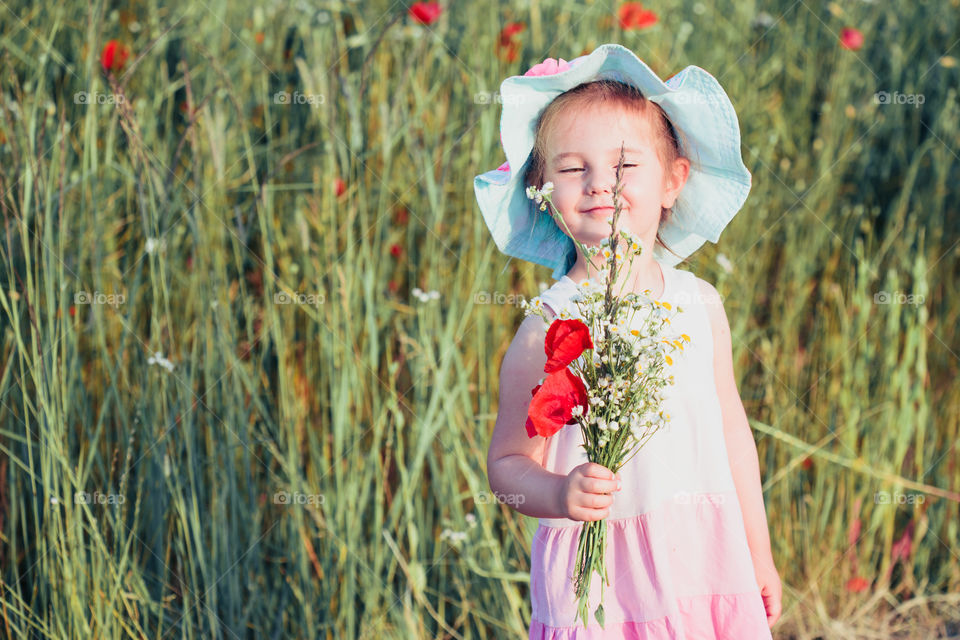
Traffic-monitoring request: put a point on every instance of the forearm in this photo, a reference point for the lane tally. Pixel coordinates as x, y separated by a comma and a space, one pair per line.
745, 467
521, 483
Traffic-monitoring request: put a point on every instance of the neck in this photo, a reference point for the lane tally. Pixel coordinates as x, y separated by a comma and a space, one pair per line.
643, 272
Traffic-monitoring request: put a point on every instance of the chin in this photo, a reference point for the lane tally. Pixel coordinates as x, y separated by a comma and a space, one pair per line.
591, 239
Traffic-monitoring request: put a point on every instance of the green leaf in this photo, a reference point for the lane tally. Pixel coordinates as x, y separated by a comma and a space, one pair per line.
598, 614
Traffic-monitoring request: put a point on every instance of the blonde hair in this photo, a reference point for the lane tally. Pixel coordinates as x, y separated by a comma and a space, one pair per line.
669, 146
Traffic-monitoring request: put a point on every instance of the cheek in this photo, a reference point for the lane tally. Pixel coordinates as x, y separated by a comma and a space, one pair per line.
563, 191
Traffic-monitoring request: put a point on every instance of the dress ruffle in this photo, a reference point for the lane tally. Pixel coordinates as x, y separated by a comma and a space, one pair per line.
713, 617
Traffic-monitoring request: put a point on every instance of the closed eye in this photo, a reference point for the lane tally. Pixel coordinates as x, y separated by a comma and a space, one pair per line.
581, 168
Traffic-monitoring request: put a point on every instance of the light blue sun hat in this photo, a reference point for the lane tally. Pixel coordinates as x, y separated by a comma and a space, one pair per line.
698, 108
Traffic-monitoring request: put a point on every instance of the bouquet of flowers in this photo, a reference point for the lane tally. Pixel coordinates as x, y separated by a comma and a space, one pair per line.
605, 371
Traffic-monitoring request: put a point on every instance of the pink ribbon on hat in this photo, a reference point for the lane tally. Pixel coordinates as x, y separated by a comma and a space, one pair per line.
548, 67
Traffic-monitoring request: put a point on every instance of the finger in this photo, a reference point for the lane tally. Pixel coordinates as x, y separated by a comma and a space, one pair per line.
772, 607
597, 486
596, 501
775, 608
594, 470
587, 514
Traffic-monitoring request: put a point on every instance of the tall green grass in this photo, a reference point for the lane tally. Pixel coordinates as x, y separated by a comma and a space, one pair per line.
305, 467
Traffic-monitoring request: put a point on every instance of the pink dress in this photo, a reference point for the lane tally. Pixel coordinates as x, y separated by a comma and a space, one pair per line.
677, 556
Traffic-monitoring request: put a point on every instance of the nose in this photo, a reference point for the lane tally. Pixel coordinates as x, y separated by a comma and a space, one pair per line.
599, 182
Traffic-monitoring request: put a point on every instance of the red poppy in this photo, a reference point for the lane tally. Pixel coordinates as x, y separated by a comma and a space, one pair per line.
807, 463
258, 37
114, 56
512, 29
553, 403
851, 38
425, 12
393, 286
401, 215
858, 584
339, 186
565, 341
395, 250
634, 16
508, 47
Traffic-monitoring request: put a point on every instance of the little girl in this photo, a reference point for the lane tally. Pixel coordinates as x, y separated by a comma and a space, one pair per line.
688, 552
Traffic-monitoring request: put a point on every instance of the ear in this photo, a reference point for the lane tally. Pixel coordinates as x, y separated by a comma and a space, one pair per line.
674, 181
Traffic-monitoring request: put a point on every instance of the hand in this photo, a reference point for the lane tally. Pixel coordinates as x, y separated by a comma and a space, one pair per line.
770, 590
587, 492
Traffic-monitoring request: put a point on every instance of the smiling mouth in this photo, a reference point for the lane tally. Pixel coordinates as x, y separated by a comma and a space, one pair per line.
597, 210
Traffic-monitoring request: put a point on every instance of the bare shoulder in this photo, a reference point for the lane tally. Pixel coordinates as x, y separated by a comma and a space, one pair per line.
529, 338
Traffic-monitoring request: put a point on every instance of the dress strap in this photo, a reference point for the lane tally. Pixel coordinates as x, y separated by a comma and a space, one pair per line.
557, 296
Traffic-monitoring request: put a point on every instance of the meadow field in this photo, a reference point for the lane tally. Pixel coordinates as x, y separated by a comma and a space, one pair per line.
251, 320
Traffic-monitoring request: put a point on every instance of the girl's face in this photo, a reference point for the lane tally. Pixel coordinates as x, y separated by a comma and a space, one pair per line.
581, 160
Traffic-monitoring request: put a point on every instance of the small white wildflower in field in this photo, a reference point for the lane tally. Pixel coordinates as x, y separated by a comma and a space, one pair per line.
53, 500
425, 296
471, 520
724, 262
454, 536
157, 358
763, 20
155, 243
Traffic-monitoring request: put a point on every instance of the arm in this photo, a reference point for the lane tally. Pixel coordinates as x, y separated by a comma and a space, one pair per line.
515, 461
742, 454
